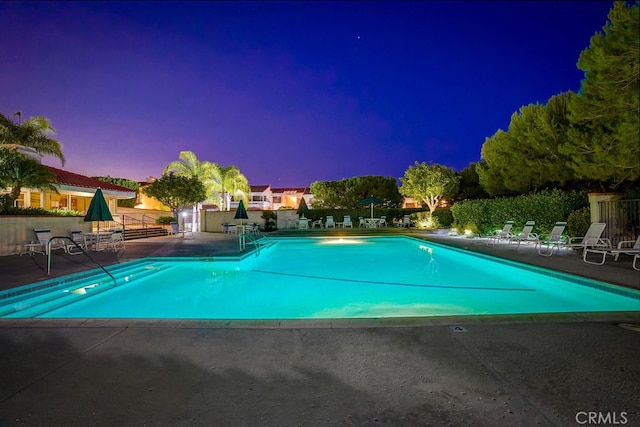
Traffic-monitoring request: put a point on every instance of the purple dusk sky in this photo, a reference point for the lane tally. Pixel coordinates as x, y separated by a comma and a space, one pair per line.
290, 92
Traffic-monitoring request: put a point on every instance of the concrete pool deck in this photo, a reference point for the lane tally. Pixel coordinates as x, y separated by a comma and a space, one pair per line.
495, 370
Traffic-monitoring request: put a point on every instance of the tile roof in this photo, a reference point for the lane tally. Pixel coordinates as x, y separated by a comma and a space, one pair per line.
303, 190
77, 180
259, 188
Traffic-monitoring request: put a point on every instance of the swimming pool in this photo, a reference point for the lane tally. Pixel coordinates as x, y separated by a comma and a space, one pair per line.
307, 278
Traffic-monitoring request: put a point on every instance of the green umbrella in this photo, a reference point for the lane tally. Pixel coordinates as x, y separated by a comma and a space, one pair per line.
303, 208
371, 201
241, 212
98, 209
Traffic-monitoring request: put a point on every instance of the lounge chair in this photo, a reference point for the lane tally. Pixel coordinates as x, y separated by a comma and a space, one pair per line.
592, 239
406, 221
79, 243
330, 223
383, 221
624, 247
303, 224
44, 236
361, 222
347, 222
504, 234
551, 241
636, 258
527, 235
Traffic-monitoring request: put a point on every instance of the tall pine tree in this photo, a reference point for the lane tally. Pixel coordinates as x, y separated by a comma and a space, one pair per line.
603, 140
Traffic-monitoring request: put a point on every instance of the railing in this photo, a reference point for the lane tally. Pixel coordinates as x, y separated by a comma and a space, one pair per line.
81, 249
622, 218
242, 242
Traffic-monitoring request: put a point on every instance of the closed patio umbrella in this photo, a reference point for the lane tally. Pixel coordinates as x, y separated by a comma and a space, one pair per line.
98, 209
241, 212
371, 201
302, 208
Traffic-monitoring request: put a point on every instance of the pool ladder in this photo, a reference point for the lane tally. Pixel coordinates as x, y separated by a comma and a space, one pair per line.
246, 238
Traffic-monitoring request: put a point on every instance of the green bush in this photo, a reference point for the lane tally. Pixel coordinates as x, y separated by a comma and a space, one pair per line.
270, 220
578, 222
165, 220
425, 221
545, 208
444, 217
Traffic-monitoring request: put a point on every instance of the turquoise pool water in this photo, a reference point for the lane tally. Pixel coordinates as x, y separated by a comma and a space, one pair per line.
320, 278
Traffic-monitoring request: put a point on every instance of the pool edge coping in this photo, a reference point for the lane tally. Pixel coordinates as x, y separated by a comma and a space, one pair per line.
341, 323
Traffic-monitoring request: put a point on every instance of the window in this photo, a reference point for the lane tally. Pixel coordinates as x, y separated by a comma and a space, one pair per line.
277, 199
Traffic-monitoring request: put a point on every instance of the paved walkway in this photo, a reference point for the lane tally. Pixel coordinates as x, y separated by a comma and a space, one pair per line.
522, 370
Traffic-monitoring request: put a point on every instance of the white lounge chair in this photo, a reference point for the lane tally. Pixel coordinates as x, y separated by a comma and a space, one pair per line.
383, 221
504, 234
347, 222
330, 223
44, 235
592, 239
551, 241
527, 235
406, 221
361, 222
79, 240
624, 247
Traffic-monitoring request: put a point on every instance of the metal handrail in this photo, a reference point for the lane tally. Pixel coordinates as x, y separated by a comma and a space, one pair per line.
115, 283
242, 242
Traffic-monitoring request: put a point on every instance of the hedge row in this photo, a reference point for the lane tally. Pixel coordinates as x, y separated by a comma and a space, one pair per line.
545, 208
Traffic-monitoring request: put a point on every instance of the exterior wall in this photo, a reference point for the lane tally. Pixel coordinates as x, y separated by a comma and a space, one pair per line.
15, 230
212, 221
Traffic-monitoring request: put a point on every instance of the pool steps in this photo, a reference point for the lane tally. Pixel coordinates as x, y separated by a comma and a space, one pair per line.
55, 294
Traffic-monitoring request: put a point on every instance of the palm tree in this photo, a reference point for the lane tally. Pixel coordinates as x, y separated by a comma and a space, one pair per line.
235, 184
18, 171
189, 165
34, 133
208, 173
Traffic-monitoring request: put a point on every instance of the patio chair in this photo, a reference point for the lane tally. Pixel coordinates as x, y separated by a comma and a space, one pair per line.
592, 239
636, 257
347, 222
383, 221
44, 235
330, 223
504, 234
624, 247
551, 241
303, 224
361, 222
317, 222
527, 235
116, 242
406, 221
79, 239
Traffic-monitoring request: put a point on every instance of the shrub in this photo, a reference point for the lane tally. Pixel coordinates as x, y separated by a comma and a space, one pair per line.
165, 220
425, 221
545, 208
444, 217
578, 222
270, 218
